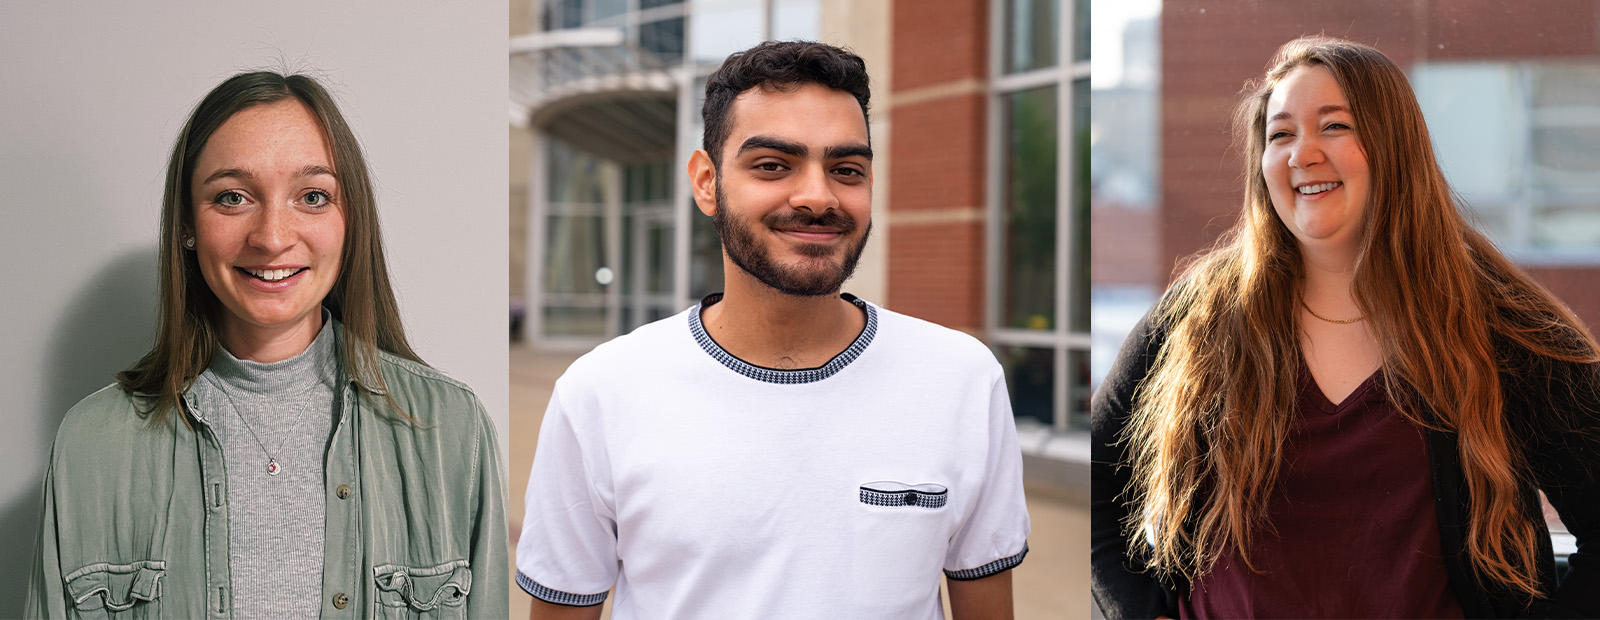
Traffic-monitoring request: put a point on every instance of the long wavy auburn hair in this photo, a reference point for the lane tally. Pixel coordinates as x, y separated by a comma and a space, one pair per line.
361, 298
1210, 422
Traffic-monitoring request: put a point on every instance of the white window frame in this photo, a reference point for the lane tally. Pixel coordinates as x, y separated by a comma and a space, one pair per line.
1066, 71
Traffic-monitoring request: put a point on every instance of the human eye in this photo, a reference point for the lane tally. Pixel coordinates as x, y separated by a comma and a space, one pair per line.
1338, 126
1274, 135
850, 172
317, 198
770, 166
229, 198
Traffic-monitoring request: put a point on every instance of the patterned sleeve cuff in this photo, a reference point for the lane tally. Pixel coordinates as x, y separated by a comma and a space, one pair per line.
993, 568
558, 597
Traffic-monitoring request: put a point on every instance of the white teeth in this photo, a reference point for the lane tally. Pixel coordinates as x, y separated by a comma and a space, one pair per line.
1318, 188
272, 275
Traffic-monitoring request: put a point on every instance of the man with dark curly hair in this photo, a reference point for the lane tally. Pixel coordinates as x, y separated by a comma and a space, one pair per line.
782, 449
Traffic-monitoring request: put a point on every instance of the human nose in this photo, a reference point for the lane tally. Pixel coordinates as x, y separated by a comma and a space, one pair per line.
1306, 152
273, 229
814, 192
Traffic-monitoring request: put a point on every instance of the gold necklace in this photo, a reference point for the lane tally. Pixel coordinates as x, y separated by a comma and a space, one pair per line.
1339, 321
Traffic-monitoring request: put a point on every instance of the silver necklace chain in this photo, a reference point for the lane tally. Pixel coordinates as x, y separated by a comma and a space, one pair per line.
273, 468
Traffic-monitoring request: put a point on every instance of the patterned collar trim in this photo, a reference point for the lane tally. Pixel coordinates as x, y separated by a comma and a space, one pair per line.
775, 375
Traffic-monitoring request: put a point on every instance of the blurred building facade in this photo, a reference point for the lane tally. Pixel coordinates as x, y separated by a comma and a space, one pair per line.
980, 128
1511, 91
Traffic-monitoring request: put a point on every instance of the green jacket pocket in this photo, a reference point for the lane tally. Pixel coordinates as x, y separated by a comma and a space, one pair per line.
117, 590
423, 592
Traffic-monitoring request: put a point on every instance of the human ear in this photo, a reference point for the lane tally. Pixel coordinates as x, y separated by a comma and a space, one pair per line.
703, 178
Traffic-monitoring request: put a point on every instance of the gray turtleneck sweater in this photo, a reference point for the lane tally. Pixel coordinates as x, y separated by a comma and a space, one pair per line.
283, 411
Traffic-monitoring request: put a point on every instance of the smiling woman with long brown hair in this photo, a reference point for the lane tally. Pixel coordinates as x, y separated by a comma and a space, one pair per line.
281, 451
1347, 407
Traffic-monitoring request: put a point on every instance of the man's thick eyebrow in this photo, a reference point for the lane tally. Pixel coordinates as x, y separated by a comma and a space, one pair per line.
848, 150
1320, 112
800, 150
765, 142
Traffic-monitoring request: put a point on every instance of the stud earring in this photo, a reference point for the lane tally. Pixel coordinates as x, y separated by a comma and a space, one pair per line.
188, 242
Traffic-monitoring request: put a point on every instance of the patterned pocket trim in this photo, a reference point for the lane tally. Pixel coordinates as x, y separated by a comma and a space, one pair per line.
899, 494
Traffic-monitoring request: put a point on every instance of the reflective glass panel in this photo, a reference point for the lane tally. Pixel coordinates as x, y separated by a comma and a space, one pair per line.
797, 19
1032, 29
664, 38
1078, 265
1030, 381
1078, 390
1028, 214
1080, 30
722, 27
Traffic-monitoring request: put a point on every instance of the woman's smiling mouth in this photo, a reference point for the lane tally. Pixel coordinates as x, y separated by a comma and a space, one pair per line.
272, 275
1317, 188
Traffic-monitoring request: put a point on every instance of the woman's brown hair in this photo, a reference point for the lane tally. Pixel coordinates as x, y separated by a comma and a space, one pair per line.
1210, 422
361, 299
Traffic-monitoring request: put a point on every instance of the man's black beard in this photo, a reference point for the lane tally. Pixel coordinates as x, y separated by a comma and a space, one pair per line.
740, 243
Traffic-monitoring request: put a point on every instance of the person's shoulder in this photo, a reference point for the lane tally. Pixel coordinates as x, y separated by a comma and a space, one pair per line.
648, 346
426, 394
415, 375
106, 425
926, 338
107, 408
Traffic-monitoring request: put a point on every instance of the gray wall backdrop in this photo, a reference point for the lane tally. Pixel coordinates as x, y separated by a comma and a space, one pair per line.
92, 96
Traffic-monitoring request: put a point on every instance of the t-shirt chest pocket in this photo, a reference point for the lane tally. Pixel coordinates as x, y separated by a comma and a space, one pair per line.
901, 533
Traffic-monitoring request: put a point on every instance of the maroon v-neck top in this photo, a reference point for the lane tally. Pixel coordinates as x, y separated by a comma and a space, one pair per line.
1357, 531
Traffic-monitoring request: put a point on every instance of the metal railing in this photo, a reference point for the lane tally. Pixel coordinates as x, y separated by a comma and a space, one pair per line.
547, 67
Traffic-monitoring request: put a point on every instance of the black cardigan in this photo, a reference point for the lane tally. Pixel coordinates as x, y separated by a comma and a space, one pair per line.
1565, 464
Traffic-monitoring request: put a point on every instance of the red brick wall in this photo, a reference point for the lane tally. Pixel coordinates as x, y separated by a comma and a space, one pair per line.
936, 273
1209, 49
939, 41
936, 154
940, 50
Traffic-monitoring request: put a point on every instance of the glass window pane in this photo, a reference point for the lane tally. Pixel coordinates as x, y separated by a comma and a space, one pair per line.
574, 175
664, 38
1575, 227
1029, 210
606, 9
650, 4
705, 256
1080, 30
1078, 261
567, 13
1030, 381
574, 251
797, 19
1078, 390
1475, 114
722, 27
574, 321
1566, 156
1033, 28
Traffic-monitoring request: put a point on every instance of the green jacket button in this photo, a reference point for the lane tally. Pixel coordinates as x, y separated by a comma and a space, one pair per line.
340, 600
343, 491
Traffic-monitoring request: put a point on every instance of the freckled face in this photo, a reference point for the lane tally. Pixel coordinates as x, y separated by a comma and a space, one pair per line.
1314, 165
794, 198
268, 219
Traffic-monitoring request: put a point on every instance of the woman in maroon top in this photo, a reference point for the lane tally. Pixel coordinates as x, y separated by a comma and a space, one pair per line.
1347, 406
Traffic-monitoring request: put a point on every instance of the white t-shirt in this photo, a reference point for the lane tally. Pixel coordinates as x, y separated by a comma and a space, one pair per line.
707, 487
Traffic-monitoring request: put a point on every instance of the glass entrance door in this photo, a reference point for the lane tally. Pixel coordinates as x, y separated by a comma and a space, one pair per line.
607, 251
